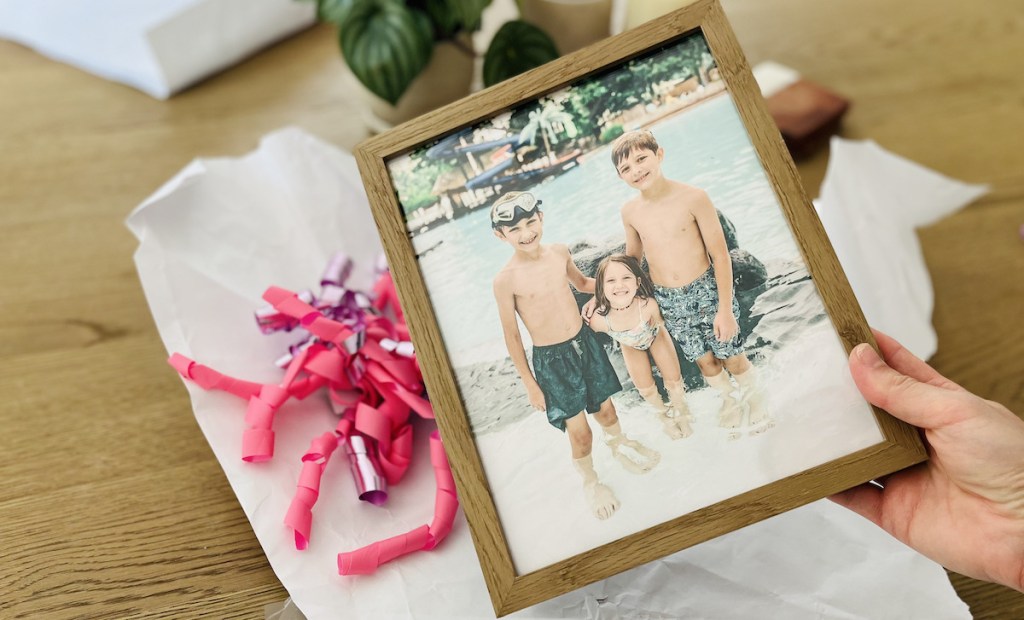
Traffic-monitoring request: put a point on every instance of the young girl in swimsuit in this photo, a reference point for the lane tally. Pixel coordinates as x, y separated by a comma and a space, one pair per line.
627, 312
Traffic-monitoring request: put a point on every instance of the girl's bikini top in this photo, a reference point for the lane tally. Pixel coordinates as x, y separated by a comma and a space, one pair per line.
640, 336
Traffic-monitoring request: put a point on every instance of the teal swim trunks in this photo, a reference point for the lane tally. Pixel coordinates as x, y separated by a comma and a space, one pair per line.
574, 376
689, 313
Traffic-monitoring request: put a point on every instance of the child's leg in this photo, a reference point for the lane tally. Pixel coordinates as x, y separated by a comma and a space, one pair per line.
601, 499
731, 414
580, 438
664, 352
751, 392
638, 459
639, 368
683, 417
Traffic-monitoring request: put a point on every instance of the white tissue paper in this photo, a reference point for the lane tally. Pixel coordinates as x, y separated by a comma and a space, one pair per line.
214, 237
871, 202
156, 46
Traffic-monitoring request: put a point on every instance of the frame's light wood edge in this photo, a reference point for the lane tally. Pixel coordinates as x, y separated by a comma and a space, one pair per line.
821, 260
822, 263
474, 492
901, 447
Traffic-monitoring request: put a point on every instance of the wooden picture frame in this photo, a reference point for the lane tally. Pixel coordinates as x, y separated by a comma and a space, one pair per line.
897, 446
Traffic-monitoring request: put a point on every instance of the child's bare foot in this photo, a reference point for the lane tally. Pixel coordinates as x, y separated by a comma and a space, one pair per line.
633, 455
758, 418
603, 502
600, 498
683, 417
676, 427
668, 422
730, 417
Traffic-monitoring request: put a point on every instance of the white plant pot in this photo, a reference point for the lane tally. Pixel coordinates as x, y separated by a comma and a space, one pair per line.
642, 11
446, 78
571, 23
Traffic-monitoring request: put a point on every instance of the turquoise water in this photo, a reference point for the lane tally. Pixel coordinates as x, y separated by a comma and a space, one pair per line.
705, 146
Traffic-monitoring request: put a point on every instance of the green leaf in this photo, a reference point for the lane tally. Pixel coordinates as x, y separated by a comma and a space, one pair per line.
451, 17
386, 45
332, 10
446, 21
468, 12
516, 47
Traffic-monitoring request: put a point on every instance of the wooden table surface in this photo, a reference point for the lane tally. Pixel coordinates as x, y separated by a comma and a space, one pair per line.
112, 503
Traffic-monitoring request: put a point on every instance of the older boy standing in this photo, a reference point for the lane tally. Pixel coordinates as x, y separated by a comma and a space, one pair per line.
677, 228
571, 373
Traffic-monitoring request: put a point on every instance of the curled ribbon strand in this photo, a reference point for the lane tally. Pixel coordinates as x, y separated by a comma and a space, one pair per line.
367, 559
300, 513
358, 348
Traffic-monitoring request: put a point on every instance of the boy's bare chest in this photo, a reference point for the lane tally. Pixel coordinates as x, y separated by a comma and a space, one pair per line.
538, 283
665, 222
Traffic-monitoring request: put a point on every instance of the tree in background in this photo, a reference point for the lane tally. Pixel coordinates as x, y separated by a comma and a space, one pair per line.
549, 120
622, 88
415, 185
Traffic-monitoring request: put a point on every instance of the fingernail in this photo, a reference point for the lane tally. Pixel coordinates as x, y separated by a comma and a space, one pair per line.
867, 356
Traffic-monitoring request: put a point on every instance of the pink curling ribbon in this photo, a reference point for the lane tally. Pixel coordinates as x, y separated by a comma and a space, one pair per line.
269, 320
370, 486
424, 538
264, 401
357, 347
300, 513
379, 386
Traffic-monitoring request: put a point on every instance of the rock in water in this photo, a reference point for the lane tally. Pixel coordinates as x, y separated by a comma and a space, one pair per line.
730, 231
748, 273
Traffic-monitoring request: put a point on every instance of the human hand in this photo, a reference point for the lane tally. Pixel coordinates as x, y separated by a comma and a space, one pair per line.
726, 327
536, 396
587, 312
965, 507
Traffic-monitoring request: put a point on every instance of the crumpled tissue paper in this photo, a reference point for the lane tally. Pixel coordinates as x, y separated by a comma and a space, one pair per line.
156, 46
871, 202
221, 231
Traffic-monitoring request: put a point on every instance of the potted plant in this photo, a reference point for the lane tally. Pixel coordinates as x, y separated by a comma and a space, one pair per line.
415, 55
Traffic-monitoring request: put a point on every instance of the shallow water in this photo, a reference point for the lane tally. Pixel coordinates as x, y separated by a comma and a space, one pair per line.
791, 310
705, 146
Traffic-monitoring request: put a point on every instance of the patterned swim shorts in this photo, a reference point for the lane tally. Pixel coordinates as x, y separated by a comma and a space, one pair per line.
574, 376
689, 313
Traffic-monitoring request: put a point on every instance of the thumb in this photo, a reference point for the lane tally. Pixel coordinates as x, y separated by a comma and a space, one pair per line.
910, 400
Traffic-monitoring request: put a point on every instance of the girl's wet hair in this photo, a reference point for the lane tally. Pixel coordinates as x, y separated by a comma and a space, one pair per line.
644, 286
640, 139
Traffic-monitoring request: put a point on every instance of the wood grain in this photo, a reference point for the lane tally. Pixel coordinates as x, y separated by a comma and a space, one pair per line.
110, 491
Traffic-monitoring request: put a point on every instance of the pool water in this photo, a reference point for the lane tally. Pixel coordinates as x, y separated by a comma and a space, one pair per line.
705, 146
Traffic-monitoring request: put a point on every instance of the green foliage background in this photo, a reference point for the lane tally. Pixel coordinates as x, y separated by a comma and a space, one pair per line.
388, 43
605, 94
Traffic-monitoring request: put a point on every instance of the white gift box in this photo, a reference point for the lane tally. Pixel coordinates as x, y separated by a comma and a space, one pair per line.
156, 46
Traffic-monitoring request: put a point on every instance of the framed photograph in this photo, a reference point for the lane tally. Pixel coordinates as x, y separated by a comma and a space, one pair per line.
632, 326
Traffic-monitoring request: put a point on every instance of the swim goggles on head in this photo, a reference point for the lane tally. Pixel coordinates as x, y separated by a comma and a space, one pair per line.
509, 206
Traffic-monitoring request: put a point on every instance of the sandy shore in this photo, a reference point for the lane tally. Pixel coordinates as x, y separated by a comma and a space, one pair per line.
819, 416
